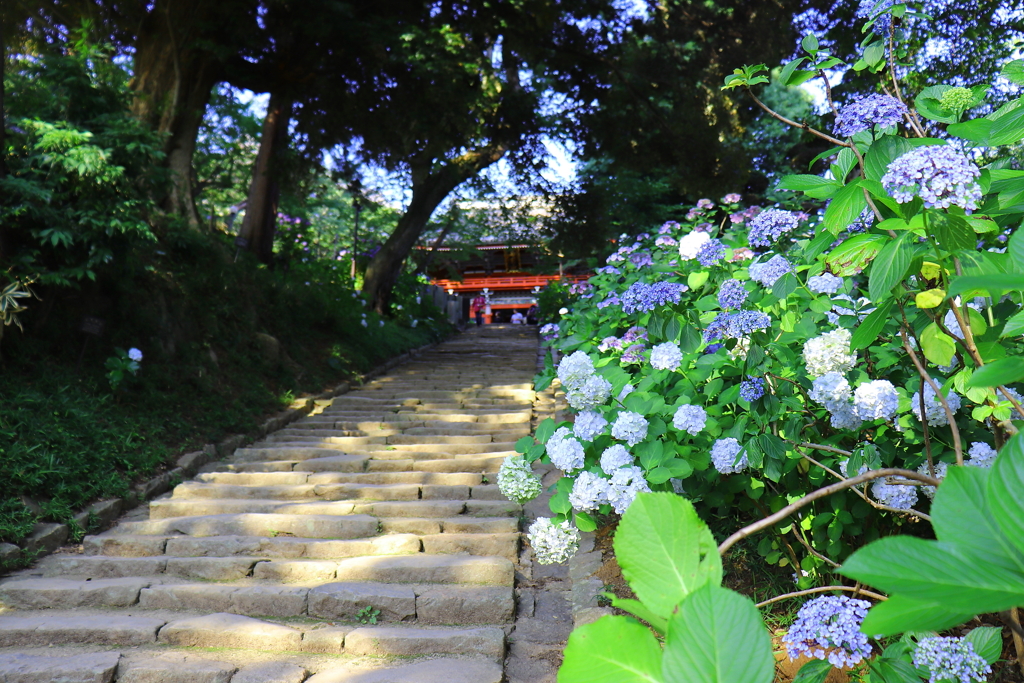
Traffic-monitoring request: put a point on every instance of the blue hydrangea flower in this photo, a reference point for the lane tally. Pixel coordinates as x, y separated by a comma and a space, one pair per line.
666, 356
829, 628
713, 348
767, 273
588, 425
625, 484
711, 253
883, 111
723, 456
615, 457
641, 259
642, 297
565, 452
878, 9
751, 389
634, 355
611, 300
630, 427
771, 224
690, 419
732, 294
736, 325
633, 335
826, 283
950, 659
593, 392
589, 491
939, 174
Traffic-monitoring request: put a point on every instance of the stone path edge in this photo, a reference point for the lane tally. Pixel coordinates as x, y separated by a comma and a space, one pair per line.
47, 537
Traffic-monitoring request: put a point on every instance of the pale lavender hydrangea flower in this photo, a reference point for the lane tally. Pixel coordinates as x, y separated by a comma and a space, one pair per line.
768, 273
843, 416
939, 174
630, 427
732, 198
826, 283
875, 400
950, 659
934, 413
593, 392
723, 456
589, 491
829, 628
575, 369
690, 419
981, 455
615, 457
588, 425
634, 355
633, 335
830, 388
609, 343
736, 325
769, 225
732, 294
896, 496
941, 470
666, 356
626, 483
565, 452
882, 111
547, 332
135, 355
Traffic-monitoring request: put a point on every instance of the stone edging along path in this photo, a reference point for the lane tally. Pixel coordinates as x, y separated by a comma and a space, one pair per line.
47, 537
274, 564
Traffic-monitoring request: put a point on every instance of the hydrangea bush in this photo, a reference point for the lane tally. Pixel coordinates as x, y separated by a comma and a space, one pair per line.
865, 334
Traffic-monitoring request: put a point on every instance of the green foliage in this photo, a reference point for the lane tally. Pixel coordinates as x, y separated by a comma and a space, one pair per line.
368, 615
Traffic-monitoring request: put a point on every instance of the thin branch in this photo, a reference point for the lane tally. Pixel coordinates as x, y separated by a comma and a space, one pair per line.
864, 496
803, 541
822, 493
825, 589
926, 376
823, 447
794, 124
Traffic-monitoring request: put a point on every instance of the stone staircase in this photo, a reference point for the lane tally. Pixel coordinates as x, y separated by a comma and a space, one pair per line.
271, 566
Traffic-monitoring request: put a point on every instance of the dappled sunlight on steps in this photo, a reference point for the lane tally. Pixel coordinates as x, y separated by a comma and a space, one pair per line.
270, 567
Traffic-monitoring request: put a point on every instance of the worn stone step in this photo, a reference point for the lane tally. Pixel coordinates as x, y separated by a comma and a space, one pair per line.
496, 432
324, 492
406, 602
305, 526
172, 508
344, 462
485, 464
370, 478
457, 525
423, 568
34, 629
130, 546
49, 593
87, 667
224, 630
176, 668
443, 670
253, 600
383, 641
104, 566
497, 545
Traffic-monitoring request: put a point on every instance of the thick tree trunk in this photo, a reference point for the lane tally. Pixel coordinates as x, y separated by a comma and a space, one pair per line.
428, 191
264, 191
174, 76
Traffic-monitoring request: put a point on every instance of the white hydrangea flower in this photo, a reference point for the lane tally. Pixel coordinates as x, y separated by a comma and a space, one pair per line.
666, 356
830, 388
829, 353
690, 244
897, 496
626, 483
135, 355
588, 492
626, 391
630, 427
590, 394
690, 419
574, 370
516, 480
875, 400
589, 424
826, 283
941, 470
934, 413
739, 352
565, 452
553, 543
981, 455
723, 456
615, 457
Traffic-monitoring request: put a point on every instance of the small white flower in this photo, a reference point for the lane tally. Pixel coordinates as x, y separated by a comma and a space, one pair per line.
615, 457
516, 480
875, 400
563, 311
553, 543
134, 354
690, 244
589, 491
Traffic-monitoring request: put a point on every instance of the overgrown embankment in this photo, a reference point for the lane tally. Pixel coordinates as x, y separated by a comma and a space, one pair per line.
224, 343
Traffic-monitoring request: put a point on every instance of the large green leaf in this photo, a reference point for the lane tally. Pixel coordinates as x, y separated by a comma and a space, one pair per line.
1008, 129
613, 649
814, 671
890, 266
1006, 492
853, 255
936, 345
1014, 326
953, 233
928, 571
882, 153
845, 207
717, 636
811, 185
994, 285
987, 642
665, 551
867, 332
899, 614
1002, 371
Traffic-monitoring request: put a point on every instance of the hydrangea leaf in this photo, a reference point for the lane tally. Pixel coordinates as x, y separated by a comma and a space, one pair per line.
814, 671
717, 636
1004, 492
890, 266
1004, 371
845, 207
987, 642
931, 571
953, 233
1014, 326
640, 611
853, 255
665, 551
900, 613
867, 332
976, 130
1014, 71
613, 649
937, 346
1008, 129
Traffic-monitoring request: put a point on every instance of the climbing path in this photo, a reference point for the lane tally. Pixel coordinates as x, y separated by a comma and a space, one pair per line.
270, 567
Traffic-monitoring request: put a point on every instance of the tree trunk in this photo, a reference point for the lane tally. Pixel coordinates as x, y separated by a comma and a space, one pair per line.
3, 119
428, 191
172, 82
264, 191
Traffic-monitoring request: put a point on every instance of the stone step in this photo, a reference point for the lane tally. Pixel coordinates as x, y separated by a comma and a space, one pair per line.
176, 668
344, 462
250, 546
325, 492
485, 464
445, 670
453, 525
382, 641
71, 594
91, 667
496, 432
371, 478
270, 525
172, 508
31, 629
